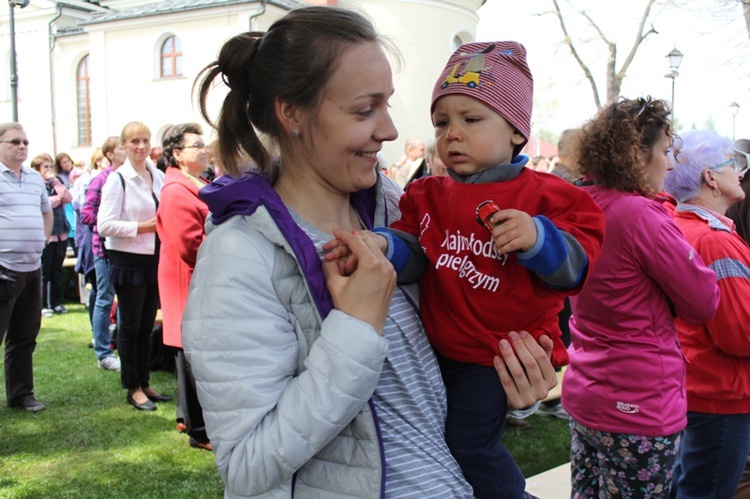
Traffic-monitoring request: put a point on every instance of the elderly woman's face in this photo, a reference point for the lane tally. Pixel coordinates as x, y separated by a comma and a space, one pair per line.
193, 155
660, 162
727, 180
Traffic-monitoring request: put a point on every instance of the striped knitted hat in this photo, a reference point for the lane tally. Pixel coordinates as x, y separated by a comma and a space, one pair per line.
496, 74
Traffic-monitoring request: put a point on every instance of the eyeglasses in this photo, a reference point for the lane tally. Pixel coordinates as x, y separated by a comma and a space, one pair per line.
199, 145
747, 160
15, 142
732, 162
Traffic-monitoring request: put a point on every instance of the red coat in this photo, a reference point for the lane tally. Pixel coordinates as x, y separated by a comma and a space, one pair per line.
179, 223
717, 352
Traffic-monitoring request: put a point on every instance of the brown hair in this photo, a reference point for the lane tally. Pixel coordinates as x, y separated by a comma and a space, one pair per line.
36, 163
292, 62
614, 147
110, 145
58, 160
96, 156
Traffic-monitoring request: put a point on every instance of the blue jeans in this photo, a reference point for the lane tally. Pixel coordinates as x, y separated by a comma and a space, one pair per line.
105, 295
476, 419
713, 455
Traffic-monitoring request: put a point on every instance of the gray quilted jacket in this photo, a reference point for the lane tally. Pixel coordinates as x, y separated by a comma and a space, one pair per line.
284, 392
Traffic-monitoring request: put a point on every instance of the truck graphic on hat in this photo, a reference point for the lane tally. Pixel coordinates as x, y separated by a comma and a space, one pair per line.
471, 69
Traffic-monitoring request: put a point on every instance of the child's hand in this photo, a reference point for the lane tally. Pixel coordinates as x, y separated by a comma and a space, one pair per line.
338, 250
365, 293
517, 231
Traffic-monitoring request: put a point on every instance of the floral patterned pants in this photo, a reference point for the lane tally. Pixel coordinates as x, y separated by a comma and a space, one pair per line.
610, 465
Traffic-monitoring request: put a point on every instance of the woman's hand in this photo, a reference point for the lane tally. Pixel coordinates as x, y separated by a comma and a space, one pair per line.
147, 226
516, 232
337, 250
525, 369
366, 292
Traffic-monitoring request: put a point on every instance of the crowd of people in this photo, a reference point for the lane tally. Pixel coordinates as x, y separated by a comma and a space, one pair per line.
352, 328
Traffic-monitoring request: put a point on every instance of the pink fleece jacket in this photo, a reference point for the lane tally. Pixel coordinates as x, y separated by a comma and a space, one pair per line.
627, 372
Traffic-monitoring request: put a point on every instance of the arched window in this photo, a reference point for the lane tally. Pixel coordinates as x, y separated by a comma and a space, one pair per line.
83, 102
171, 57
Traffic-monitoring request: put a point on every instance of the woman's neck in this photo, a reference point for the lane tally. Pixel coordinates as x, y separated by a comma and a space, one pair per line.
139, 167
316, 203
706, 199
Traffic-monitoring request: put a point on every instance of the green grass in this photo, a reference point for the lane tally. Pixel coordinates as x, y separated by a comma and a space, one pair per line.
543, 446
90, 443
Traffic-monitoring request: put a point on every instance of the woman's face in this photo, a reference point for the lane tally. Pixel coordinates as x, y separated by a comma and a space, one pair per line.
118, 156
66, 164
728, 181
660, 162
342, 139
137, 148
47, 169
193, 156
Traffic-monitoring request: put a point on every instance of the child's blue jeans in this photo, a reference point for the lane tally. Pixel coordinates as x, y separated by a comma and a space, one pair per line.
475, 424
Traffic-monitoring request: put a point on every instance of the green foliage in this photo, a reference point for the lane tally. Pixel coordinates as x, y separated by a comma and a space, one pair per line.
89, 443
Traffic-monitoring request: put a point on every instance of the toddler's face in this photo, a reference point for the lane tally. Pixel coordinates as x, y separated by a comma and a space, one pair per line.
471, 137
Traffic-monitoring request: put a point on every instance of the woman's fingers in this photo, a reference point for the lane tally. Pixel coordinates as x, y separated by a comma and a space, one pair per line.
525, 369
366, 291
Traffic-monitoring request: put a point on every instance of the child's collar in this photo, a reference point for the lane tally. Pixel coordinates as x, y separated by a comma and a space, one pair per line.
500, 173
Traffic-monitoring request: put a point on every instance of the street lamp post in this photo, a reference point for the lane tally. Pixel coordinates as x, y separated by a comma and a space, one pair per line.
735, 109
675, 59
13, 70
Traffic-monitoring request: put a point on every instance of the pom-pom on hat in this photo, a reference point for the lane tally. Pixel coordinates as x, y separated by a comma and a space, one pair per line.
496, 74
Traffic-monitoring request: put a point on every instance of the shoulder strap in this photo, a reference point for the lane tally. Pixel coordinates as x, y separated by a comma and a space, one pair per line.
122, 180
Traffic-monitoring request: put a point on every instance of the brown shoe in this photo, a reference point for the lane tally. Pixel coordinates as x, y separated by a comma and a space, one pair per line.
519, 423
182, 427
196, 444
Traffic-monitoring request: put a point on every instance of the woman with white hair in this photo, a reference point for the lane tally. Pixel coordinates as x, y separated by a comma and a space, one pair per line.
715, 445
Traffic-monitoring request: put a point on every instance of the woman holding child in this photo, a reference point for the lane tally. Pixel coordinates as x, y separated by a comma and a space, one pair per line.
315, 383
625, 386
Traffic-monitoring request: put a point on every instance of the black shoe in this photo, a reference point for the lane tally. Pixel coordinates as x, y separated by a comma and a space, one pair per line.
146, 406
59, 310
159, 397
29, 404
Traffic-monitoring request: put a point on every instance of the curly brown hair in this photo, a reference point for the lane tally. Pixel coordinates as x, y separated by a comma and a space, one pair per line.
615, 146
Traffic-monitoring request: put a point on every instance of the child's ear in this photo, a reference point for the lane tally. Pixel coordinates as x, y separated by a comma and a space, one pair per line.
517, 139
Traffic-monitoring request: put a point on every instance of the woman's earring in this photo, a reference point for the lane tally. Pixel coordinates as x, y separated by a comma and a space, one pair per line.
295, 133
716, 192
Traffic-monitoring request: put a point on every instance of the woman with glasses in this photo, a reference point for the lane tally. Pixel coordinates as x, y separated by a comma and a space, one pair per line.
716, 442
179, 224
625, 385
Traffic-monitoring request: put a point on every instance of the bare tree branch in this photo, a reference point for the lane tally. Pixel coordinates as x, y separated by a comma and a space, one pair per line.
574, 51
596, 27
638, 40
612, 86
